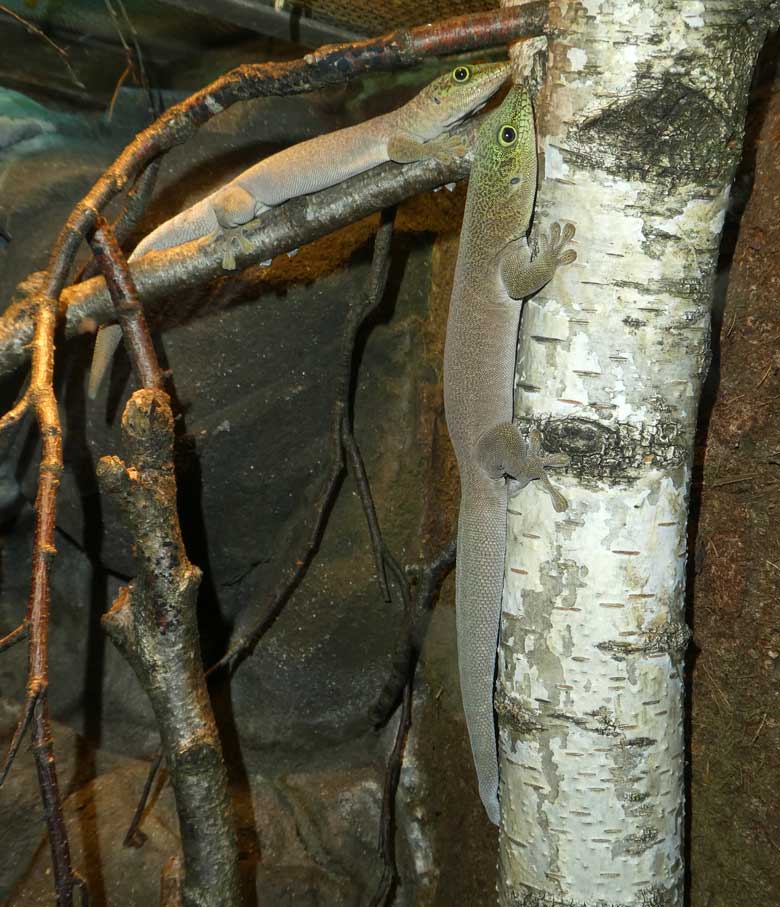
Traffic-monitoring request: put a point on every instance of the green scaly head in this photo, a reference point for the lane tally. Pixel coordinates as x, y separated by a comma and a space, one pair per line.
502, 184
453, 96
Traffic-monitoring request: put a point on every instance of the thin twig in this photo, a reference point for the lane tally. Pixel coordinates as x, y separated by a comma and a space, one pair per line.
380, 269
21, 727
285, 588
34, 30
135, 60
341, 418
389, 877
135, 204
416, 615
128, 309
15, 636
155, 108
119, 83
134, 837
16, 413
355, 460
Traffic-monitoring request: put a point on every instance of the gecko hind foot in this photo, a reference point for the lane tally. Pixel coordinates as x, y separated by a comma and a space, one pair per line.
540, 462
227, 237
533, 463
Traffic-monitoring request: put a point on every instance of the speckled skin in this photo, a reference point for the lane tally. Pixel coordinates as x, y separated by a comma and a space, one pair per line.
494, 273
414, 131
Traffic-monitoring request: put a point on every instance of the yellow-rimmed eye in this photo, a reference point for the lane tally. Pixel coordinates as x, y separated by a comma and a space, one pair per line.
461, 74
507, 135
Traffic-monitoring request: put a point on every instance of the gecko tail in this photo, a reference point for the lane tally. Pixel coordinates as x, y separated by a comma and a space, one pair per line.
106, 342
479, 588
192, 223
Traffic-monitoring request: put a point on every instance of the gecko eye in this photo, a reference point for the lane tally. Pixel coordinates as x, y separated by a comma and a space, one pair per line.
461, 74
507, 135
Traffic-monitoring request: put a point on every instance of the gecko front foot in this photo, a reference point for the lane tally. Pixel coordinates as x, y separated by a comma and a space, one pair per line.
552, 246
523, 274
403, 149
446, 148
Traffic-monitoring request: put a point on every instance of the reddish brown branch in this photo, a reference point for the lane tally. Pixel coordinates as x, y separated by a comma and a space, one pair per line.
327, 66
135, 203
35, 714
15, 415
130, 315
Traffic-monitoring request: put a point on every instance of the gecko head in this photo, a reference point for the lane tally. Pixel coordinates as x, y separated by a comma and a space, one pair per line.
456, 94
505, 162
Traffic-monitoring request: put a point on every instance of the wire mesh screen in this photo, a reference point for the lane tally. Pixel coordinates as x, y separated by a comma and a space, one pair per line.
372, 17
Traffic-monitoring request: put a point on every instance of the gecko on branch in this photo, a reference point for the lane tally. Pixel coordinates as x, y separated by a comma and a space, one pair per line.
494, 273
412, 132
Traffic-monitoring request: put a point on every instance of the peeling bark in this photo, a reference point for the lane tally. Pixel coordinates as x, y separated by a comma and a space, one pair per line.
640, 121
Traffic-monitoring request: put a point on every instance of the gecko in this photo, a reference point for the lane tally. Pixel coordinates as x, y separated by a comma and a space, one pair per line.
417, 130
494, 273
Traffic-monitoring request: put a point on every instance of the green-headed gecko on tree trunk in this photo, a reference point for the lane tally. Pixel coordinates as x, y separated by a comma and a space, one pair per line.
415, 131
494, 273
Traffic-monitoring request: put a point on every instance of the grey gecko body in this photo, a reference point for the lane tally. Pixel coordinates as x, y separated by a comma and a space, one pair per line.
494, 273
414, 131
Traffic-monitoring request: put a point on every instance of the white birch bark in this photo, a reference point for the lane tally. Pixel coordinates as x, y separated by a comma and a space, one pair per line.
640, 121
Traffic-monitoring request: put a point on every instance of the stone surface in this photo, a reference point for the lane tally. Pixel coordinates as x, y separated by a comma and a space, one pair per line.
304, 838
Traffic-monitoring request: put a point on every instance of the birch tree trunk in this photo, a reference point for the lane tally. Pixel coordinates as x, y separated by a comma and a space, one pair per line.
640, 121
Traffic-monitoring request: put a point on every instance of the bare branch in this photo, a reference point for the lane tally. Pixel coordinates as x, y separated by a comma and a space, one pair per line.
160, 275
36, 710
389, 877
16, 413
134, 837
15, 636
21, 727
327, 66
153, 623
32, 323
34, 30
130, 315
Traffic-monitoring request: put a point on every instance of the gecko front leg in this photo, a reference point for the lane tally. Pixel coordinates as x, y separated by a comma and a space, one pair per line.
236, 209
523, 275
404, 148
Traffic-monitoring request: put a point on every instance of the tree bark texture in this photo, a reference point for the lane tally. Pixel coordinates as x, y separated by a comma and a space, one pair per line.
153, 622
640, 121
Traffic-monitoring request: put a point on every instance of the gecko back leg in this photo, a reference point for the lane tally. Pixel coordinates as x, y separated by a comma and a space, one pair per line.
503, 451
